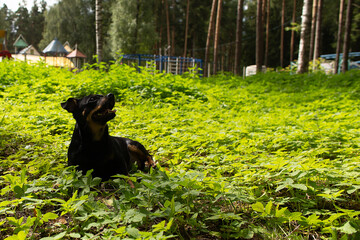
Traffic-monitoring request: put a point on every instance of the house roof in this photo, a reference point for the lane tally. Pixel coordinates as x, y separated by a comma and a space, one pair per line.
20, 42
67, 46
27, 50
76, 54
55, 47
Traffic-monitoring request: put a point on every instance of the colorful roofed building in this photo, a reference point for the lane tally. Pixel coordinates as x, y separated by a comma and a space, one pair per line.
75, 57
67, 46
30, 50
55, 48
20, 43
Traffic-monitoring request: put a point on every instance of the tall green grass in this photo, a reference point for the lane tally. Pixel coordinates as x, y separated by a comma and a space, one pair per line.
267, 157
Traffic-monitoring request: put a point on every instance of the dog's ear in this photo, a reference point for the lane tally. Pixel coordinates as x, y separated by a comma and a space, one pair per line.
71, 105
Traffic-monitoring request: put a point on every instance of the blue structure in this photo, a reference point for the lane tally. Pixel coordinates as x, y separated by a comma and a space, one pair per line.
352, 65
55, 47
168, 64
333, 56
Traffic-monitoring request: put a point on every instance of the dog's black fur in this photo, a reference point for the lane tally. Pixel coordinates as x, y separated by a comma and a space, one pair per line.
91, 145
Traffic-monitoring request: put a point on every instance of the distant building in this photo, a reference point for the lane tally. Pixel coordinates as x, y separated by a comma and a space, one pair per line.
55, 55
30, 50
20, 43
55, 48
76, 56
67, 46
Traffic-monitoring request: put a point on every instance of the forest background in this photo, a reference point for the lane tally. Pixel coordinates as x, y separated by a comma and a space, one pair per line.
161, 27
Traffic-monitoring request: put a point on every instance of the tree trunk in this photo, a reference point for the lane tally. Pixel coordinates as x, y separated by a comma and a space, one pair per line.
98, 33
339, 36
267, 32
217, 31
239, 19
211, 26
186, 26
318, 32
259, 37
348, 21
292, 41
263, 14
135, 43
313, 27
167, 25
172, 50
282, 34
159, 26
303, 59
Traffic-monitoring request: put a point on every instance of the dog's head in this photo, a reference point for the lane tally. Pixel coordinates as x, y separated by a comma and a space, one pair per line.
91, 109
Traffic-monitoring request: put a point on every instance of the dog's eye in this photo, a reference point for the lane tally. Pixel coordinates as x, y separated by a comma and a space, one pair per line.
92, 99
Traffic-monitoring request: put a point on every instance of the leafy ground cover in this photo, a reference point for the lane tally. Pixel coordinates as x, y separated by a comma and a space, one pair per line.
273, 156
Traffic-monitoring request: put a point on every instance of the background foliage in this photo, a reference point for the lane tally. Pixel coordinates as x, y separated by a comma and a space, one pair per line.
74, 21
267, 157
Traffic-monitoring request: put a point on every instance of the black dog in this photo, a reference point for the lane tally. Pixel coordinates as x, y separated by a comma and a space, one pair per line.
91, 145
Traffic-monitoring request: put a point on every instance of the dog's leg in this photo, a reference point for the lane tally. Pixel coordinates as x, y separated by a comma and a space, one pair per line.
139, 154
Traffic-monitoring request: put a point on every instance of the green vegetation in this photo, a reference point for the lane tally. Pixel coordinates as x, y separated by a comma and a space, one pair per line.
267, 157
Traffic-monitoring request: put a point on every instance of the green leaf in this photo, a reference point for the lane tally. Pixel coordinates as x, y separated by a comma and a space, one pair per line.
299, 186
268, 208
295, 216
120, 230
75, 235
281, 187
133, 232
20, 236
49, 216
313, 219
347, 228
281, 212
258, 207
19, 191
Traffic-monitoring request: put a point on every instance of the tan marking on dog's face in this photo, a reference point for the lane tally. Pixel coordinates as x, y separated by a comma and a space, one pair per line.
102, 102
96, 128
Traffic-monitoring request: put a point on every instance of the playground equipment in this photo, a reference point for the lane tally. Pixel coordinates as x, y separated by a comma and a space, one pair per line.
167, 64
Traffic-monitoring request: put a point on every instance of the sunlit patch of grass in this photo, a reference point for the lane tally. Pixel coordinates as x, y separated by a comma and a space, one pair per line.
267, 157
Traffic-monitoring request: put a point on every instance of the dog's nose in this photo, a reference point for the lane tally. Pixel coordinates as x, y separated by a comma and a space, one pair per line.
110, 95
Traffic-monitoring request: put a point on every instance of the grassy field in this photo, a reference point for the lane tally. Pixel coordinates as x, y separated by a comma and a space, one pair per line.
273, 156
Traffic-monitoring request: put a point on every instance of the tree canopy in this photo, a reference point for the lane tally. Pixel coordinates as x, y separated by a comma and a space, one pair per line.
158, 27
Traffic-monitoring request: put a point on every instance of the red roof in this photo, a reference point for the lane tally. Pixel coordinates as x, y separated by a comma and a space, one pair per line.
76, 54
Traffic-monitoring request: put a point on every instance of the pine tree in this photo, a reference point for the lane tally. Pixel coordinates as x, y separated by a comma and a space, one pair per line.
186, 27
339, 35
259, 37
217, 32
317, 42
240, 8
346, 46
303, 62
36, 20
210, 30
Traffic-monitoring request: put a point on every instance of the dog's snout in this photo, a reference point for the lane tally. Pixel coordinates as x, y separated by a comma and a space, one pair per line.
110, 95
